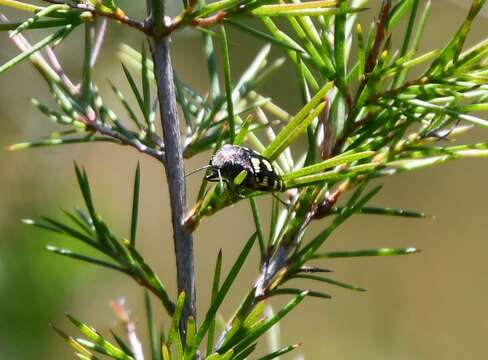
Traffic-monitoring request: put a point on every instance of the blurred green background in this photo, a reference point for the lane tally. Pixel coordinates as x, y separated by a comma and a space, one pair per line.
433, 305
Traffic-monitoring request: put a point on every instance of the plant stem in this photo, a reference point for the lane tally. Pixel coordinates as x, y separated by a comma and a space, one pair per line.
175, 175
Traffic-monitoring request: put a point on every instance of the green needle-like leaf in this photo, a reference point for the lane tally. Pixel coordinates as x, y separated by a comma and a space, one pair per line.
86, 85
151, 326
122, 344
311, 153
84, 357
215, 289
292, 291
340, 45
184, 104
135, 205
449, 111
228, 83
146, 93
88, 259
397, 13
74, 344
367, 252
279, 352
219, 298
179, 346
105, 238
99, 349
126, 105
85, 190
54, 142
99, 340
209, 51
214, 7
259, 227
260, 329
300, 9
29, 23
80, 222
62, 228
453, 49
329, 281
273, 229
134, 88
244, 354
353, 205
243, 132
331, 176
259, 34
327, 164
414, 5
298, 124
41, 24
147, 274
175, 320
190, 332
292, 55
60, 34
158, 13
367, 210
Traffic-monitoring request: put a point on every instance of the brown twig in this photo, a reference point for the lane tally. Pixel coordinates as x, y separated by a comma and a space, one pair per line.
371, 62
374, 54
326, 145
393, 92
322, 209
210, 20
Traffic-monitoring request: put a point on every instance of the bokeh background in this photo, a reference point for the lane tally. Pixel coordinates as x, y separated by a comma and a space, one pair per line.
433, 305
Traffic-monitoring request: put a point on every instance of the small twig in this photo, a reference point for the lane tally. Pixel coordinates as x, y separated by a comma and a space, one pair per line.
117, 15
135, 143
371, 62
37, 59
380, 36
98, 42
326, 145
56, 65
90, 121
323, 209
123, 314
395, 91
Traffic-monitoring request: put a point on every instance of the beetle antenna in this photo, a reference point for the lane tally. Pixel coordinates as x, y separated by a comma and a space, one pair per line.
197, 170
281, 201
221, 180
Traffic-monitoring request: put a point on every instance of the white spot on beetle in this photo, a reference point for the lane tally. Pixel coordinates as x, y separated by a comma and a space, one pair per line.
268, 165
256, 164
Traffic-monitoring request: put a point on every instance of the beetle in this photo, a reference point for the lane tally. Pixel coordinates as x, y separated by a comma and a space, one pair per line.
241, 166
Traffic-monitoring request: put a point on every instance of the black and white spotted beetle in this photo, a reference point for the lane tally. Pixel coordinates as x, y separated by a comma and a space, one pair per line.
232, 161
